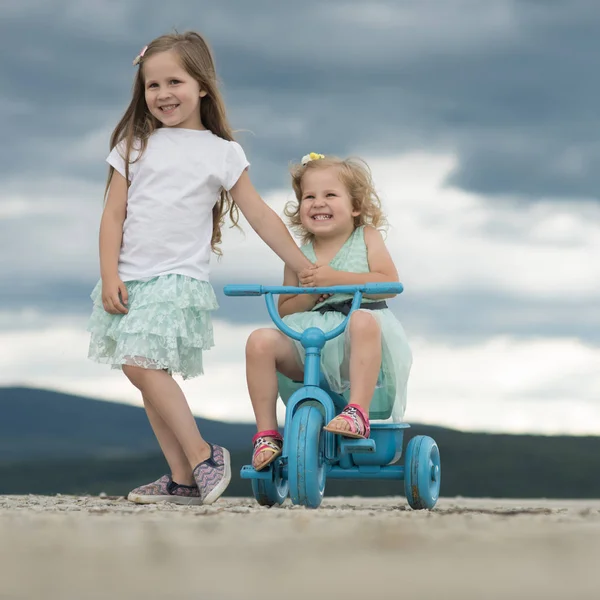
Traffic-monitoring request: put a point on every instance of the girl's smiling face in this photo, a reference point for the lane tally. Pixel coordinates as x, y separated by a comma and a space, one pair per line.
172, 95
326, 207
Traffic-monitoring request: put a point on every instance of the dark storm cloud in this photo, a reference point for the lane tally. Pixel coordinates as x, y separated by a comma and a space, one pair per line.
509, 86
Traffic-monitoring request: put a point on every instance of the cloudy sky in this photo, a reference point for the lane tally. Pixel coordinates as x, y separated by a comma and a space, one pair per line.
480, 121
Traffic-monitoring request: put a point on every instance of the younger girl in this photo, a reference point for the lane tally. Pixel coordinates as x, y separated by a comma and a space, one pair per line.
175, 173
338, 214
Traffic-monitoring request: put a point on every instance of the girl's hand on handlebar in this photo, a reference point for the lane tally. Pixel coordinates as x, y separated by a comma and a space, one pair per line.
317, 276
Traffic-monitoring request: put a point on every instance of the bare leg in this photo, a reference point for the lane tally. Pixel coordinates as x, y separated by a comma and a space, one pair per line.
268, 351
365, 363
166, 397
178, 462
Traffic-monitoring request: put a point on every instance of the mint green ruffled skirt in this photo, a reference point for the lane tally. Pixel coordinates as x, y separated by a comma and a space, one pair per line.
167, 327
389, 399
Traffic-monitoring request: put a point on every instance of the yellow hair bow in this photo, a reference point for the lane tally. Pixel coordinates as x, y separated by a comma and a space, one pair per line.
312, 156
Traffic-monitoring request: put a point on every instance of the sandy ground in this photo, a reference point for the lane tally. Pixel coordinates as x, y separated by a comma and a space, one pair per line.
90, 548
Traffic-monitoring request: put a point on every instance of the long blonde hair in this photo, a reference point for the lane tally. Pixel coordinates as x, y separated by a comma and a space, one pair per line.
355, 174
137, 124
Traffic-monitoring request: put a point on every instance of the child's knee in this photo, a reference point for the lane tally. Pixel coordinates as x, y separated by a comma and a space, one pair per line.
363, 324
261, 342
137, 375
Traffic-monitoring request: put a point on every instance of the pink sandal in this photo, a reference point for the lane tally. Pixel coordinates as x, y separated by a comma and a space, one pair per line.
270, 440
358, 420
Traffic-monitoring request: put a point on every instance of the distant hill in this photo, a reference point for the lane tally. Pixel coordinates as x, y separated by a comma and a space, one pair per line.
52, 442
44, 424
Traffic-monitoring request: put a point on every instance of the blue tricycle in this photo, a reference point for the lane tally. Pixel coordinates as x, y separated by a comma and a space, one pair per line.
311, 455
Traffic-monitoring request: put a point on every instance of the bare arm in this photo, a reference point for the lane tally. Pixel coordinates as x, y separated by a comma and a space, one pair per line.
111, 236
267, 224
289, 304
381, 265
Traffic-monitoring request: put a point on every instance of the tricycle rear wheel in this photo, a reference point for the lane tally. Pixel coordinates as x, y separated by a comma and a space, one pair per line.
422, 472
270, 491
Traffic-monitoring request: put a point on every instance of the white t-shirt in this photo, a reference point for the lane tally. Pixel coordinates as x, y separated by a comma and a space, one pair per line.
174, 186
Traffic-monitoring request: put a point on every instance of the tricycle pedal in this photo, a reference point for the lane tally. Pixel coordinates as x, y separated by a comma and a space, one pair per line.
248, 472
357, 446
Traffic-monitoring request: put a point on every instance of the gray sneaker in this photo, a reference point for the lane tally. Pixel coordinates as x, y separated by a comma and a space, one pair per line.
165, 490
214, 474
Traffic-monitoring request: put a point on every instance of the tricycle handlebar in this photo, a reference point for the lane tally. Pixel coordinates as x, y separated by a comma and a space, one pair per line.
356, 290
371, 289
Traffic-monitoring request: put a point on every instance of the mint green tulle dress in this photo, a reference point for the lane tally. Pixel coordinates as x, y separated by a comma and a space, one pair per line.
389, 400
167, 327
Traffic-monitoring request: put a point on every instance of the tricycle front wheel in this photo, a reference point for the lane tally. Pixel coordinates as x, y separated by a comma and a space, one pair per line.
306, 462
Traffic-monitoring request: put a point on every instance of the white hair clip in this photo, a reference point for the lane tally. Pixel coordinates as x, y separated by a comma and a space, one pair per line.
138, 58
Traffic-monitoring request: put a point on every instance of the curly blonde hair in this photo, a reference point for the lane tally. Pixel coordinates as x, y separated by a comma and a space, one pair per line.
355, 174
